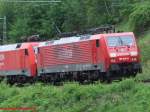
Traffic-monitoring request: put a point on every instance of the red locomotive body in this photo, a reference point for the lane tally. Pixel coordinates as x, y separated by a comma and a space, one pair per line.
122, 56
66, 57
17, 59
105, 55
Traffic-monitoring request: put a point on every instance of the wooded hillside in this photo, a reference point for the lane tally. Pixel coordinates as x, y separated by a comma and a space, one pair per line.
44, 19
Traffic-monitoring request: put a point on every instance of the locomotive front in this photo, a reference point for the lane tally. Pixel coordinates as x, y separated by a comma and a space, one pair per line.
123, 53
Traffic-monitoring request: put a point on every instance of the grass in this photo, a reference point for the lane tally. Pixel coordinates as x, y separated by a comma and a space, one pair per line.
125, 96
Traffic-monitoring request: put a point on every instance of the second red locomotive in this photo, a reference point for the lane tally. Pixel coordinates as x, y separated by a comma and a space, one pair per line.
17, 62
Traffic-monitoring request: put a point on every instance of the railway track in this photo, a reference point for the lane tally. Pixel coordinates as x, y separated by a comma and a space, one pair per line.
146, 81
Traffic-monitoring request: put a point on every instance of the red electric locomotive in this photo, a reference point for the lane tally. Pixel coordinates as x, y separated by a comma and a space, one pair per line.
17, 61
89, 57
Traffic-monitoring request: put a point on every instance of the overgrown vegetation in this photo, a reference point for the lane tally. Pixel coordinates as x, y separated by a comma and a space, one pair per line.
144, 42
139, 19
25, 19
125, 96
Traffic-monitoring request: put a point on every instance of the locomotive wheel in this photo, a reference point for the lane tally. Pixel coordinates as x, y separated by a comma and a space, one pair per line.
1, 79
133, 74
108, 77
101, 77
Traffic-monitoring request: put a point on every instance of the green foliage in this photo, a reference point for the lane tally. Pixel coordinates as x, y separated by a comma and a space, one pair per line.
144, 46
139, 19
24, 20
123, 96
27, 19
144, 42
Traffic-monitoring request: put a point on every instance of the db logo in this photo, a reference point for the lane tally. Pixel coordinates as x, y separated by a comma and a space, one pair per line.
2, 57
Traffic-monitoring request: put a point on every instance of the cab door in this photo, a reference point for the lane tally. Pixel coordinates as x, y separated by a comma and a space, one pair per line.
95, 50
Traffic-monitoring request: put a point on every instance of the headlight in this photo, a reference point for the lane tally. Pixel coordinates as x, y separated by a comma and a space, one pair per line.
133, 53
113, 60
112, 55
134, 59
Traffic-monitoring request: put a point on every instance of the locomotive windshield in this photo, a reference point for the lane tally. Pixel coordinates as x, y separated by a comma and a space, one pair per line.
119, 41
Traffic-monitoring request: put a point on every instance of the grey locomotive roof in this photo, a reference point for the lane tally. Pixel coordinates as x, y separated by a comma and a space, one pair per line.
8, 47
65, 40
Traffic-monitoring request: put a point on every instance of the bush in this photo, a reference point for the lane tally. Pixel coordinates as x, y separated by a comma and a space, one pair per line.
139, 19
121, 96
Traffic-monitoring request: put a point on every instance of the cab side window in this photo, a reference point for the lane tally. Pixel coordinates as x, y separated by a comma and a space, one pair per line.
26, 52
97, 43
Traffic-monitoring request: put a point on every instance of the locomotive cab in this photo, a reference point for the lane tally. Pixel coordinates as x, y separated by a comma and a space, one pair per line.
123, 54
